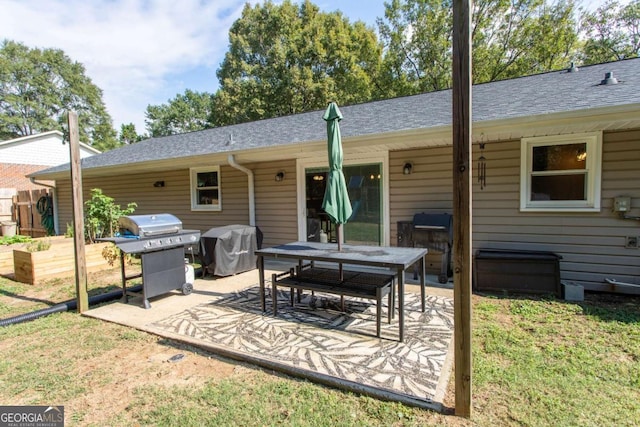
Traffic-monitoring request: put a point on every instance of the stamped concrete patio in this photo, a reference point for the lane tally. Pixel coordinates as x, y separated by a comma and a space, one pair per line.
312, 340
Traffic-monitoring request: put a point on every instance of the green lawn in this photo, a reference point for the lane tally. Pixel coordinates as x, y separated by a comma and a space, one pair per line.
536, 362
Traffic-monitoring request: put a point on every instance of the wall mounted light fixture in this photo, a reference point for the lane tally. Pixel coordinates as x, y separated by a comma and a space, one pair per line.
407, 168
280, 176
158, 184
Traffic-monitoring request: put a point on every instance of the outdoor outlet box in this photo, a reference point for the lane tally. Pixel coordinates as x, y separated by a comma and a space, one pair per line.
621, 204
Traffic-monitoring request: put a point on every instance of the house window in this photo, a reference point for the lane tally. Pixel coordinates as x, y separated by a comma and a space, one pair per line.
561, 173
205, 189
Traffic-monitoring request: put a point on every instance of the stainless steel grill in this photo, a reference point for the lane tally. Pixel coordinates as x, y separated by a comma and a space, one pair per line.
159, 239
431, 231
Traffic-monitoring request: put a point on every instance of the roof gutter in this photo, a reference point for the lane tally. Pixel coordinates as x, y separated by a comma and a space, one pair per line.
33, 181
252, 192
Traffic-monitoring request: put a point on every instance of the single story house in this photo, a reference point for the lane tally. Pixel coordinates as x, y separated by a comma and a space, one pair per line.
560, 149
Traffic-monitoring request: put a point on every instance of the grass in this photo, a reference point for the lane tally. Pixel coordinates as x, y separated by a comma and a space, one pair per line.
536, 362
547, 362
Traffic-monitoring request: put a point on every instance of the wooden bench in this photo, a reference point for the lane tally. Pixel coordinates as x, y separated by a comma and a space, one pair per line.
352, 283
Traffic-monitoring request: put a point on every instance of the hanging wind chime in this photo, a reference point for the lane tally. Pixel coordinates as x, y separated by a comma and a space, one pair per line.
482, 168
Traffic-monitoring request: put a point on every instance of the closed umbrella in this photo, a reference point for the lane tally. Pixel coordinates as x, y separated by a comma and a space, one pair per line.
336, 201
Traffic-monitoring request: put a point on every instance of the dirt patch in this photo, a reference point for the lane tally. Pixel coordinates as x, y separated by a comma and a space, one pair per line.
148, 364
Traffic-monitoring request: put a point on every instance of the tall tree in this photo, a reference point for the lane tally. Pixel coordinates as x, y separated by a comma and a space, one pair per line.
285, 59
417, 39
38, 87
510, 38
185, 113
612, 31
128, 134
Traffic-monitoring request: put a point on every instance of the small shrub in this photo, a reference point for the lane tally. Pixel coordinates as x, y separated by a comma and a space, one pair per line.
39, 245
102, 215
69, 232
111, 253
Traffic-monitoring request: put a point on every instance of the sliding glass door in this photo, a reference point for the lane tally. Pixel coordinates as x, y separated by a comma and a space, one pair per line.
365, 185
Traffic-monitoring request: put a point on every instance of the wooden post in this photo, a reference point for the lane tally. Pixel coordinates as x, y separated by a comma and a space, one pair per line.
462, 204
78, 216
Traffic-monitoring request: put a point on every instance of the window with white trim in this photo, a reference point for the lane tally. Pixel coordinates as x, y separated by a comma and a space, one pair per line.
561, 173
205, 189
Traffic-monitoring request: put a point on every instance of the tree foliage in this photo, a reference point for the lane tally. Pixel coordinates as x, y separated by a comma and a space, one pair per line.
510, 38
39, 86
185, 113
102, 215
612, 32
286, 58
129, 135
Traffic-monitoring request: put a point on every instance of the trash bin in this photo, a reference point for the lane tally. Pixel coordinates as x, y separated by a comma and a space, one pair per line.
8, 228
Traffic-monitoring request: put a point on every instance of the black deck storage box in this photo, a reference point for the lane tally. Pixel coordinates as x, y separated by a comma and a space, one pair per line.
517, 271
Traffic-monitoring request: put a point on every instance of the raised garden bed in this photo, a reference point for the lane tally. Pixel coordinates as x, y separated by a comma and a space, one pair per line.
57, 261
6, 253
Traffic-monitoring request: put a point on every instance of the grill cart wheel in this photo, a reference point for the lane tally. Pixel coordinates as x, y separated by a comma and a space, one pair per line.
187, 288
442, 278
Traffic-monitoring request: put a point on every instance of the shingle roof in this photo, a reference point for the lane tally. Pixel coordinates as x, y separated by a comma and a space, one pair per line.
547, 93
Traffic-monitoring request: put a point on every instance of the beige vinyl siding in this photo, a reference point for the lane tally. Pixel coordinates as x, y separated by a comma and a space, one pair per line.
591, 244
275, 201
276, 206
427, 189
173, 198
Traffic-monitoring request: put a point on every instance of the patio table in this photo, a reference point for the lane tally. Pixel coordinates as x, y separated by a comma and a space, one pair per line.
394, 258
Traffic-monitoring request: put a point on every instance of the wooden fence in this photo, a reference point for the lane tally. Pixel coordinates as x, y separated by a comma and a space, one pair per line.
6, 204
25, 211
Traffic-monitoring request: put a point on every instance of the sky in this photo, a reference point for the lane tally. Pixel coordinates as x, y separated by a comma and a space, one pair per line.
144, 52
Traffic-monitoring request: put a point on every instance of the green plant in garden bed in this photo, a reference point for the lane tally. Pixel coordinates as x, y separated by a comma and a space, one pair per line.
39, 245
10, 240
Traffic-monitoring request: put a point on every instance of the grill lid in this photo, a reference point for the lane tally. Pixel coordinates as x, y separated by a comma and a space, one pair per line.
149, 225
427, 221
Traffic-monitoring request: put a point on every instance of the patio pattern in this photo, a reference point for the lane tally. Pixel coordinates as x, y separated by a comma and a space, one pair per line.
315, 336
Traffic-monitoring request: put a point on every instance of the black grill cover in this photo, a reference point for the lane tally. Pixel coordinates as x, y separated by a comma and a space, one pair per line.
229, 249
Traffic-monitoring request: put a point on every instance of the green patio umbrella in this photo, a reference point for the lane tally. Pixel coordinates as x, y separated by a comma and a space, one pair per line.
336, 201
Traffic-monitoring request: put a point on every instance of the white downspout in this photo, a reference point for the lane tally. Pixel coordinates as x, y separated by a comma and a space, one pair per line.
252, 191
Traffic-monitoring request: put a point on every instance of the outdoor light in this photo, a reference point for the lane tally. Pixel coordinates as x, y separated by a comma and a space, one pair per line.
280, 176
407, 168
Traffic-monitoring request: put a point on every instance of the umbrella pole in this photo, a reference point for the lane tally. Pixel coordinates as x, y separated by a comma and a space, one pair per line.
340, 237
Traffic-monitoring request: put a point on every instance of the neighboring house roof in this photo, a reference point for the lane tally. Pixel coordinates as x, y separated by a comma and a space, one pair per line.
45, 149
543, 96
